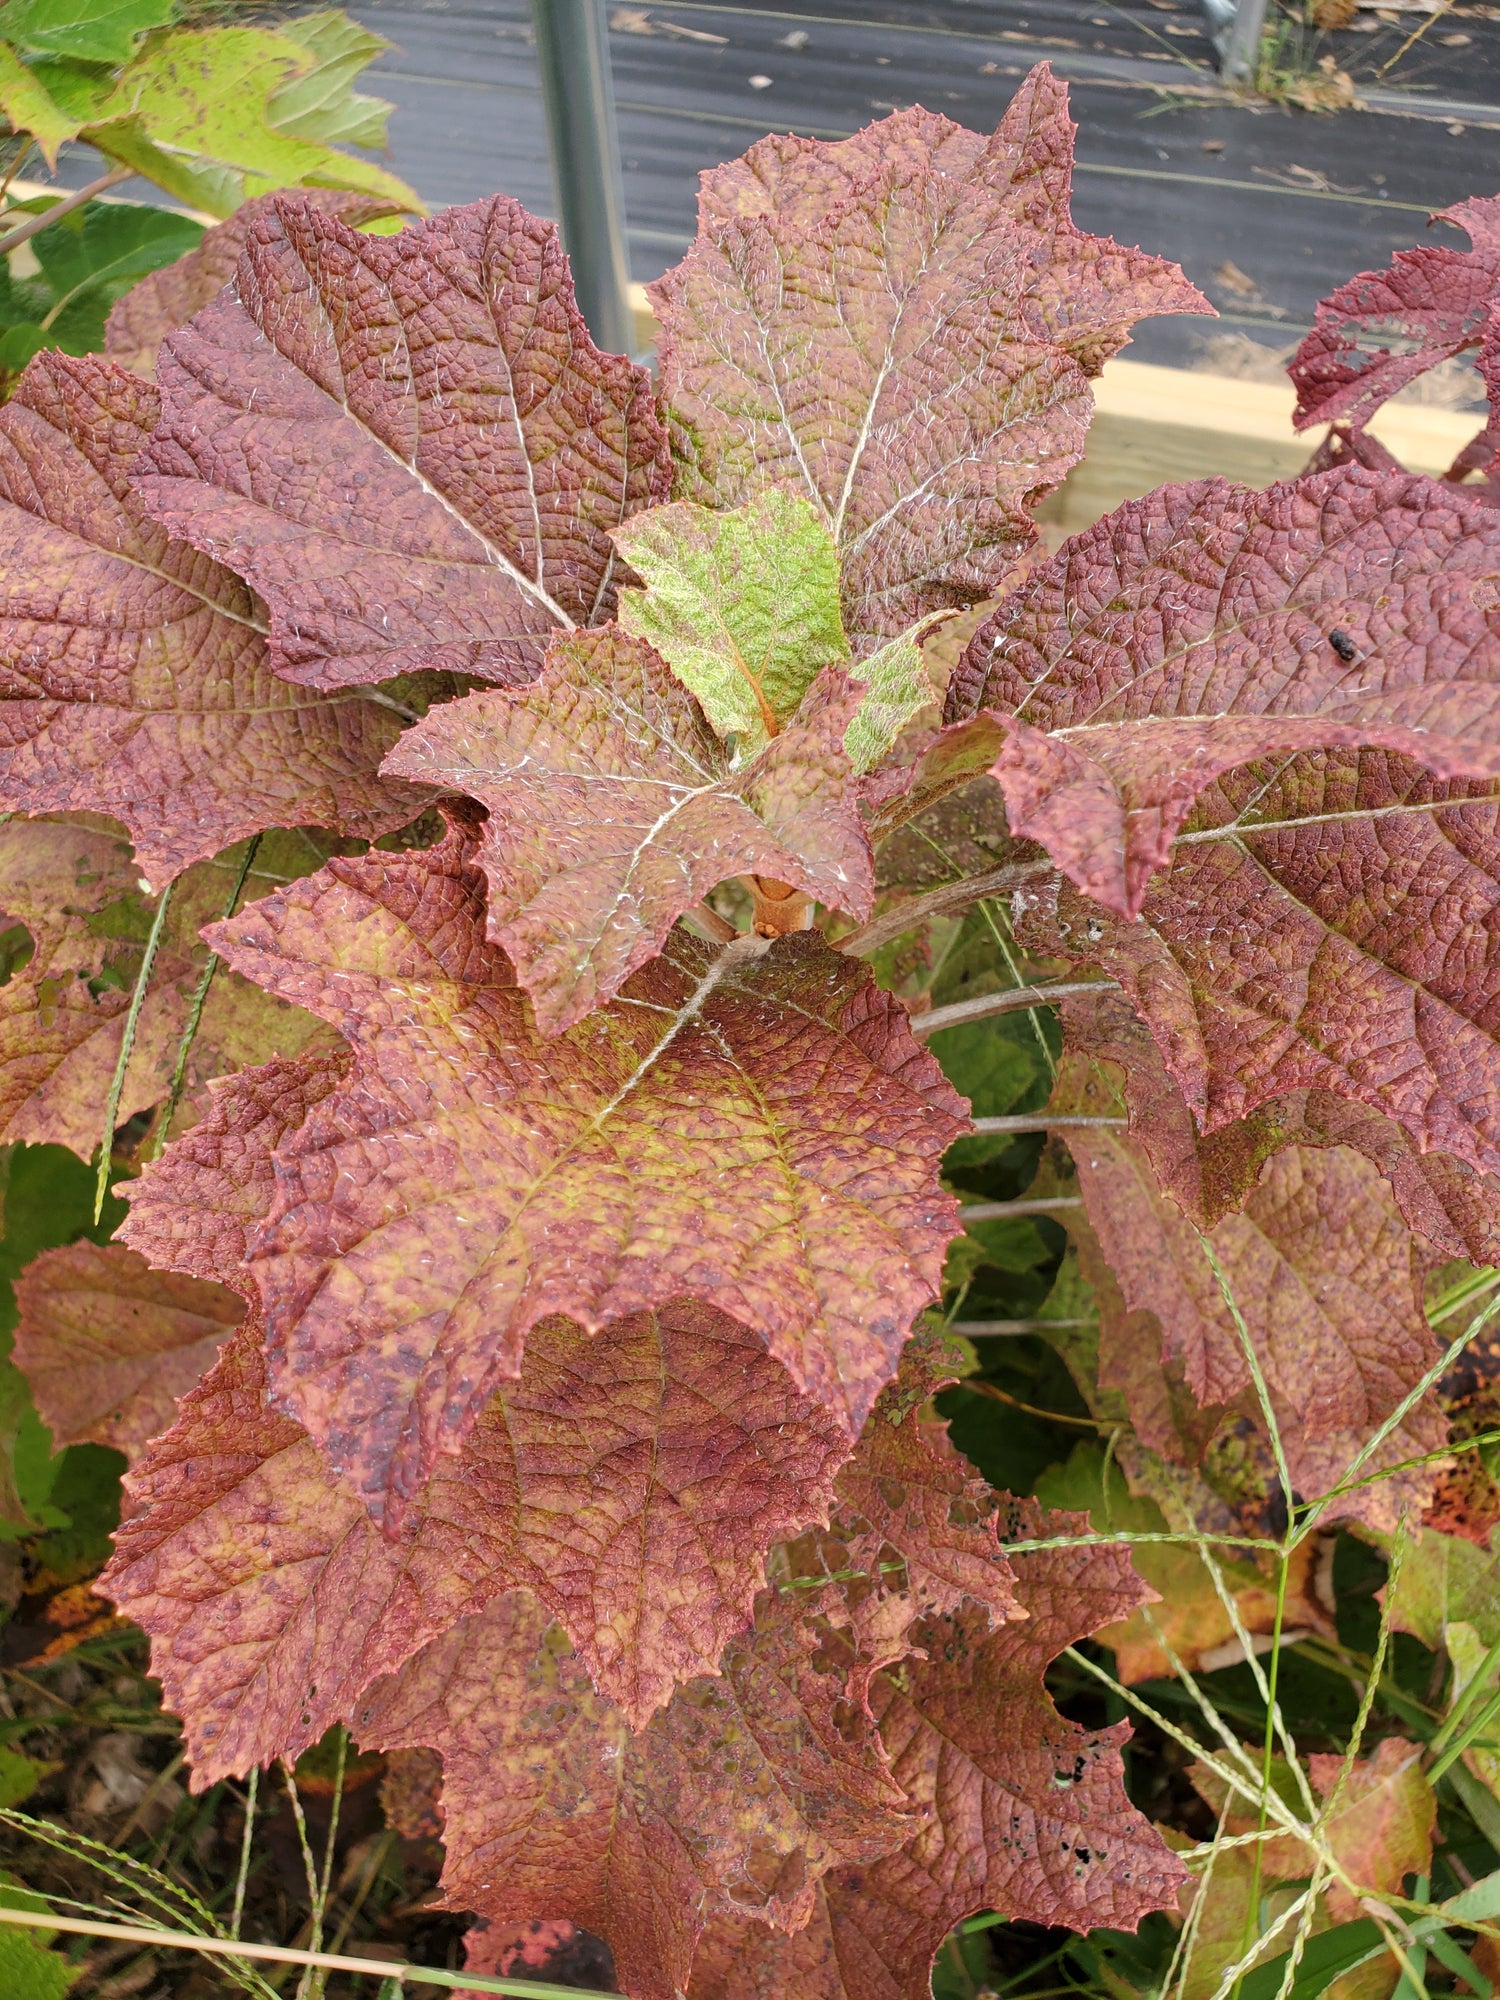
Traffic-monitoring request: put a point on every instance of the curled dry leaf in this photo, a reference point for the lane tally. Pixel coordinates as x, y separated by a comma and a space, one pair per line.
740, 1794
613, 807
167, 299
76, 893
754, 1127
1207, 627
900, 327
1435, 301
133, 672
108, 1345
1025, 1812
408, 445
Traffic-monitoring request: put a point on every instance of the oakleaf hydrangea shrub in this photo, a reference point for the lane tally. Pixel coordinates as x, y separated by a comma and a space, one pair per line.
474, 807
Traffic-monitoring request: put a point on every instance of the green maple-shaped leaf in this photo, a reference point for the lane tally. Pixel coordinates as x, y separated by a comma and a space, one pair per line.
31, 107
94, 31
897, 688
195, 110
613, 808
743, 605
321, 104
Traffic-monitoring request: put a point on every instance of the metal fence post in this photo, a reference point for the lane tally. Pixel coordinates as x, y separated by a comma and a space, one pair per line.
1241, 43
572, 49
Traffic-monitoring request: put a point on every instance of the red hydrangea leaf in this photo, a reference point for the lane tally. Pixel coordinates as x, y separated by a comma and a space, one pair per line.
908, 1493
633, 1478
133, 672
755, 1128
108, 1345
1206, 626
195, 1208
614, 807
1445, 1202
901, 326
643, 1472
1435, 300
407, 444
168, 298
270, 1598
76, 892
1324, 925
1328, 1280
1026, 1812
740, 1794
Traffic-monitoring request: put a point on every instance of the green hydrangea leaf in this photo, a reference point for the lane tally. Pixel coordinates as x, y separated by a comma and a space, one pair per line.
321, 104
743, 605
194, 112
31, 107
98, 31
898, 687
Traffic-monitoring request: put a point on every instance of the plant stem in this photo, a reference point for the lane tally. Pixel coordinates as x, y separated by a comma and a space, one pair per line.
1004, 1002
24, 231
941, 902
243, 1877
127, 1043
199, 1002
278, 1954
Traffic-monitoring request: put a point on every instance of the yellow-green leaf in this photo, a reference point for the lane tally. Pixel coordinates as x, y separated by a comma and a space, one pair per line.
193, 112
743, 605
898, 687
30, 107
321, 104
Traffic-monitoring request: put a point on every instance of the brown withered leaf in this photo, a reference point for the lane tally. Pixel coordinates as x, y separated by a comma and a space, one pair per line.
76, 893
1328, 1280
901, 326
1330, 931
613, 807
753, 1127
1445, 1202
633, 1478
408, 445
133, 672
108, 1345
740, 1794
1206, 627
1026, 1812
168, 298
